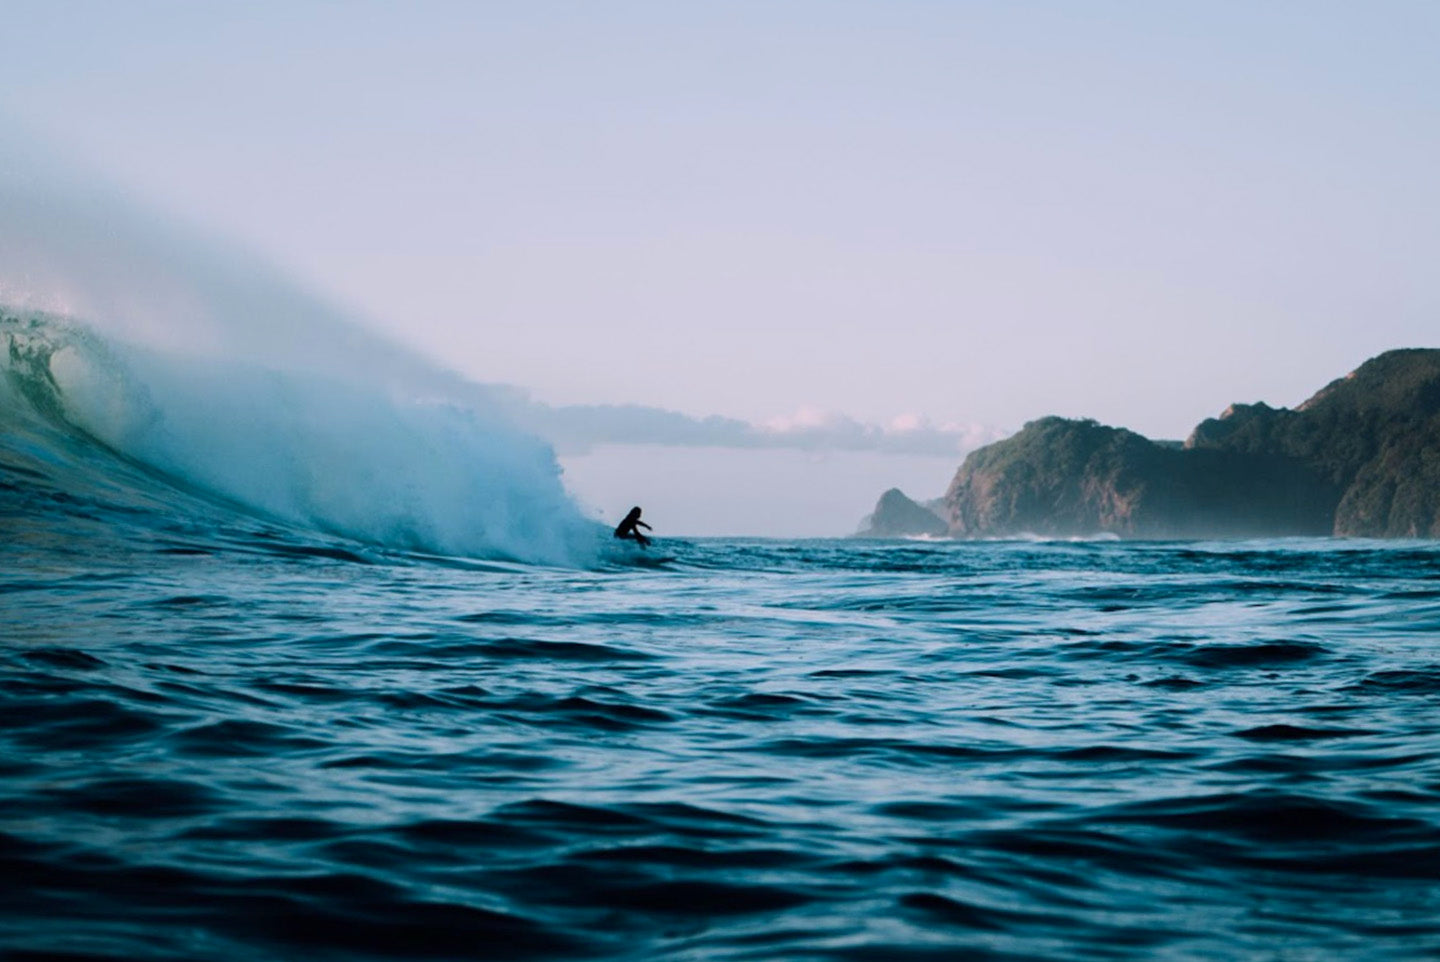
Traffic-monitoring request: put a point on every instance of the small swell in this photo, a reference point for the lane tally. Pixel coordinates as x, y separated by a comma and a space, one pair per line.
1295, 733
1413, 681
1278, 654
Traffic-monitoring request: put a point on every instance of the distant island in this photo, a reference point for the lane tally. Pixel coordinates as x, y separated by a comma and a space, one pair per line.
896, 516
1361, 458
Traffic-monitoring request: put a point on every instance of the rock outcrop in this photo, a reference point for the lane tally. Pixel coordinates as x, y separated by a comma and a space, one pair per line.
896, 516
1360, 458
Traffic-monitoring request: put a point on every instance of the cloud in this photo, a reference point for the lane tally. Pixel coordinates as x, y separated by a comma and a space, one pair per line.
577, 428
810, 428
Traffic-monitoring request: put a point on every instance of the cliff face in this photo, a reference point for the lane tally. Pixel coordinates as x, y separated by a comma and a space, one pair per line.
1361, 457
896, 516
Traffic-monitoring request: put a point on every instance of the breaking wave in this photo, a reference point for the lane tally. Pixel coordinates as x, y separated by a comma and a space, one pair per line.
126, 337
335, 456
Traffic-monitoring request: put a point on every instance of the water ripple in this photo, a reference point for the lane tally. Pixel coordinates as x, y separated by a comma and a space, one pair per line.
232, 744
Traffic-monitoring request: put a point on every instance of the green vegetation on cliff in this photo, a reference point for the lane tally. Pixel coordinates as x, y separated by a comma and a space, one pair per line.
1361, 457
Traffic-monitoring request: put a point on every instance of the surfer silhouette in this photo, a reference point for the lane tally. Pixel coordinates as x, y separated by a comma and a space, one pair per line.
629, 529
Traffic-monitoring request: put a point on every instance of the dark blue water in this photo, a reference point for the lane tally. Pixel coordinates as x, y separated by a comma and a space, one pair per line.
226, 740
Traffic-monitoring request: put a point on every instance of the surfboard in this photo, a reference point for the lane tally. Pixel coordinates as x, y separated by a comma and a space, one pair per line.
632, 555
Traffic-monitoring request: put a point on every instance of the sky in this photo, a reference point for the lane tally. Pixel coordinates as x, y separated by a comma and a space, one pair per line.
877, 233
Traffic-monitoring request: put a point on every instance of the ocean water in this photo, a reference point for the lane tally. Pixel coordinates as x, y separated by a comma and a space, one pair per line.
243, 719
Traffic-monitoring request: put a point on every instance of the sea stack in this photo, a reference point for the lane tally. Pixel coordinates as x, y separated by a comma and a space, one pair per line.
897, 516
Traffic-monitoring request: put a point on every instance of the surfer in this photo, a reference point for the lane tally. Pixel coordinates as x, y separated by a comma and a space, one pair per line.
629, 529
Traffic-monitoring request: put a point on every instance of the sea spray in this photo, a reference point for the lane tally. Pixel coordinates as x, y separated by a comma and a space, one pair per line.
210, 368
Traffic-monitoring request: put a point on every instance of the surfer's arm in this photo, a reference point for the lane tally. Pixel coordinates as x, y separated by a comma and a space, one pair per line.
644, 525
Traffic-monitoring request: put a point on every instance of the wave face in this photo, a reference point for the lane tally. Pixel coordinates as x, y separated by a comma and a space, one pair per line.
340, 457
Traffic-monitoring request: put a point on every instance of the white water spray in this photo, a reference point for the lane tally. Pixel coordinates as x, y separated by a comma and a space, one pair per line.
213, 368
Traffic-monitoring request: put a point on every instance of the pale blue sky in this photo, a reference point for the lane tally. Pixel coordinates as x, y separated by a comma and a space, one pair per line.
976, 213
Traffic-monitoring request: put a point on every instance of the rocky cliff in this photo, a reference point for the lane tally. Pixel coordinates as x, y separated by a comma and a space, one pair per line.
1361, 457
896, 516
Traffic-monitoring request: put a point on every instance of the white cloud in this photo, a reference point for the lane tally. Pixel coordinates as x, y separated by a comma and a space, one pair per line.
578, 428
